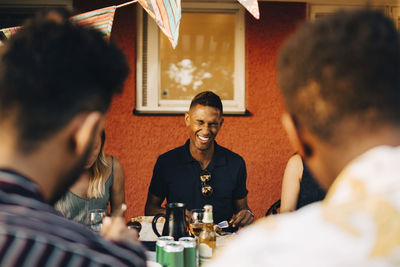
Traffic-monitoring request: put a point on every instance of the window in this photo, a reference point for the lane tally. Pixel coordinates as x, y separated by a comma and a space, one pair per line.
209, 56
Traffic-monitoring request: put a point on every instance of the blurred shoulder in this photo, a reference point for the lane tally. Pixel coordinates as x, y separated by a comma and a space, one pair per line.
279, 240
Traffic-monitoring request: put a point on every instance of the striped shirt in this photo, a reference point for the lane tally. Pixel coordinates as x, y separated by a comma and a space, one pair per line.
32, 233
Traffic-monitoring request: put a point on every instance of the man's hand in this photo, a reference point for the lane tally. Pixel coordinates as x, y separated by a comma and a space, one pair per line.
114, 229
242, 218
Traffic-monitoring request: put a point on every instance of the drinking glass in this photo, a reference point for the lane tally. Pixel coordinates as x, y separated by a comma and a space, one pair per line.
196, 221
96, 219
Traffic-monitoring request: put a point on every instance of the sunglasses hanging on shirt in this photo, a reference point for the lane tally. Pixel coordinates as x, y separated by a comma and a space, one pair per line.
205, 177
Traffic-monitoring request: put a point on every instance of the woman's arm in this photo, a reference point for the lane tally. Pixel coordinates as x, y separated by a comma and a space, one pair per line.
117, 188
291, 184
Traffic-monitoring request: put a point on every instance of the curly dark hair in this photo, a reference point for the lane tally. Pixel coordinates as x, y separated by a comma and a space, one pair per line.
345, 65
207, 98
53, 69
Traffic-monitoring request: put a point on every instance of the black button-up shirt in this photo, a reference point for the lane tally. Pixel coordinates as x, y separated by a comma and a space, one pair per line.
176, 177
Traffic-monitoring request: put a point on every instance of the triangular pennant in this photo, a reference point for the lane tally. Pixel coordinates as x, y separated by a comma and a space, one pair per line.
167, 14
100, 19
7, 33
251, 6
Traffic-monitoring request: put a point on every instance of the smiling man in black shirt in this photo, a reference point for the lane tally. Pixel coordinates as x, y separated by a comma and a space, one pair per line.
202, 172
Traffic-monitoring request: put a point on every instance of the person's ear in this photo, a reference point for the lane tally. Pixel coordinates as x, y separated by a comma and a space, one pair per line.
89, 126
295, 137
187, 118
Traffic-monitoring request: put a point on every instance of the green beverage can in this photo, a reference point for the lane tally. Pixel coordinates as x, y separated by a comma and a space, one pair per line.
162, 241
189, 251
173, 254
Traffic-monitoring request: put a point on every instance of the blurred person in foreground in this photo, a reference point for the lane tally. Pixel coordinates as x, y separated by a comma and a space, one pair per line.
341, 84
178, 173
57, 80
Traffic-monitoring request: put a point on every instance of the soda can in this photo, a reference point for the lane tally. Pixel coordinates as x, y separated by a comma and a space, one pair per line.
189, 251
162, 241
173, 254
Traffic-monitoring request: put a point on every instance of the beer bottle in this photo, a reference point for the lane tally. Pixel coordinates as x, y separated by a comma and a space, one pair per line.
207, 237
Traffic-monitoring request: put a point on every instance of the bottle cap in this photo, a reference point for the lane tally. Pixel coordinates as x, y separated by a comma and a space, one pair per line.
208, 214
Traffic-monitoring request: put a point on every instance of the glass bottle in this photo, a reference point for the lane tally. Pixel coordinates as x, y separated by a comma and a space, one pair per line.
207, 237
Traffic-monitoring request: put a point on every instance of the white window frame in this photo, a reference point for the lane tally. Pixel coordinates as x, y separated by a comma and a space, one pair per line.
148, 67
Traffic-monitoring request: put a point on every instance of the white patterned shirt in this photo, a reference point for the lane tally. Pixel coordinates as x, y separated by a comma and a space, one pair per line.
357, 224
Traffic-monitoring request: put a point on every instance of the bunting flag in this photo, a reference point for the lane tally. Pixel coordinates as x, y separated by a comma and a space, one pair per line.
100, 19
167, 14
6, 33
251, 6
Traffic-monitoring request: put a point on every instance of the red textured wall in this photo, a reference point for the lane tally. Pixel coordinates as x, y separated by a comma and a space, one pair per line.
259, 138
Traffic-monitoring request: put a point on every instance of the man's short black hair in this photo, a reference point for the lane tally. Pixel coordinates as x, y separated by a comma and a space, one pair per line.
53, 69
346, 65
207, 98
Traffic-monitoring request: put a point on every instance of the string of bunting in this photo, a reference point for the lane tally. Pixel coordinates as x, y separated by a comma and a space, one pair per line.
166, 13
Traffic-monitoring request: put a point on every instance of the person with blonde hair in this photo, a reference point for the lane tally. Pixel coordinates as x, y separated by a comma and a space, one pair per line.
101, 184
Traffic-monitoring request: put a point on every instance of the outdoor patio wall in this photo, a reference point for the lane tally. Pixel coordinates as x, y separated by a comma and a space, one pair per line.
138, 140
